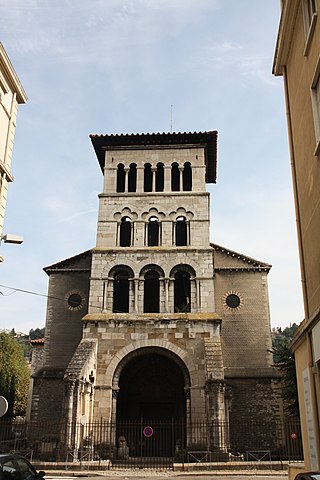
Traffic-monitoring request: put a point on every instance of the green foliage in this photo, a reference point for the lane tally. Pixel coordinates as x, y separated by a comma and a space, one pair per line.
14, 375
284, 360
36, 333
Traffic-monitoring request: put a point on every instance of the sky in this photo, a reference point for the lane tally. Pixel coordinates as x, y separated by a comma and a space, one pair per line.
138, 66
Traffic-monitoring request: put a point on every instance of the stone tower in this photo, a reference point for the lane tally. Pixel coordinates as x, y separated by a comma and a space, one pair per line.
152, 291
157, 324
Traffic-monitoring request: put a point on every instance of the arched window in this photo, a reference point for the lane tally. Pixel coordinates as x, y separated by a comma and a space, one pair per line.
175, 177
121, 291
125, 232
187, 177
153, 232
132, 181
121, 178
160, 178
147, 178
182, 292
181, 232
151, 292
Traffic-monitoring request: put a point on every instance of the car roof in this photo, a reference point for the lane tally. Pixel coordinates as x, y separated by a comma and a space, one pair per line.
11, 455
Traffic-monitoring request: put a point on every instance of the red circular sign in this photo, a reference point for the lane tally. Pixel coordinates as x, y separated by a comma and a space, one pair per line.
148, 431
293, 436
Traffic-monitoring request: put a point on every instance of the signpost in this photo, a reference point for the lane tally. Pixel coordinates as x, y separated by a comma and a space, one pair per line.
3, 406
148, 431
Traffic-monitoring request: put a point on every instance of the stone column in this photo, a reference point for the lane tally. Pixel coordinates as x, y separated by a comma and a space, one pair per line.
167, 178
153, 178
198, 293
166, 300
126, 179
70, 386
136, 290
215, 393
140, 173
181, 179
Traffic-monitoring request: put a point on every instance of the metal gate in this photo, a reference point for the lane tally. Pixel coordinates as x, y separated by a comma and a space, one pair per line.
148, 444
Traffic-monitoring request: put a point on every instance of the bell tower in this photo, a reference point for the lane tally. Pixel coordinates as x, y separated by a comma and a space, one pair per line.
152, 287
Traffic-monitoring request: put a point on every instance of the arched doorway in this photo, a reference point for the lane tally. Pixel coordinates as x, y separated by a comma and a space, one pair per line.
152, 386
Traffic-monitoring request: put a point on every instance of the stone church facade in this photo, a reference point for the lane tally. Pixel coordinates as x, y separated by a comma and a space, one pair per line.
155, 323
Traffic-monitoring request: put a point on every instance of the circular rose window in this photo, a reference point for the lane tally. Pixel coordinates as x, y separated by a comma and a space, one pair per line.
232, 301
75, 300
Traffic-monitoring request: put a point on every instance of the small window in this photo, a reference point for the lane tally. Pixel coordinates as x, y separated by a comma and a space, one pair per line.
181, 232
147, 178
121, 292
153, 232
132, 181
121, 178
151, 292
125, 232
175, 177
182, 292
187, 177
160, 178
309, 19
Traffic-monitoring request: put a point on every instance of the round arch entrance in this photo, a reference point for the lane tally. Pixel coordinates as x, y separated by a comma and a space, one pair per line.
152, 384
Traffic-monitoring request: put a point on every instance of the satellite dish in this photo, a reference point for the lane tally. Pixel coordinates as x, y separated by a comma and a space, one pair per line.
3, 406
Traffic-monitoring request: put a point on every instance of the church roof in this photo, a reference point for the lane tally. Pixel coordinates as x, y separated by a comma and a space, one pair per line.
208, 140
70, 264
243, 261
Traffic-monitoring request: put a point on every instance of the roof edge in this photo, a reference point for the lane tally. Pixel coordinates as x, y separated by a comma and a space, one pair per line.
12, 76
255, 263
62, 263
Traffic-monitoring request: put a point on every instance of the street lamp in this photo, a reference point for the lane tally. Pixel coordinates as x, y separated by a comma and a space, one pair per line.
10, 238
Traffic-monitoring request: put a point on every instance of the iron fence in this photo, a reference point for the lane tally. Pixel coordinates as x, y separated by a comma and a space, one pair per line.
147, 444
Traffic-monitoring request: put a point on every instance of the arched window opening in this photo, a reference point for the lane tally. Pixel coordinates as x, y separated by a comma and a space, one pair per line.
121, 292
132, 181
181, 232
125, 232
187, 177
147, 178
160, 178
151, 292
153, 232
121, 178
182, 292
175, 177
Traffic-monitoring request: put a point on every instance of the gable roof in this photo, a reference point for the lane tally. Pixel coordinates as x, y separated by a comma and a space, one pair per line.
208, 140
70, 264
241, 261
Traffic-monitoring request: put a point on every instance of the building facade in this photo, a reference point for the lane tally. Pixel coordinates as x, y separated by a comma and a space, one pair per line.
11, 95
156, 323
297, 59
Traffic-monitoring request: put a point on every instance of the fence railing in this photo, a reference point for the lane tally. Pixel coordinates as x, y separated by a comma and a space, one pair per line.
140, 443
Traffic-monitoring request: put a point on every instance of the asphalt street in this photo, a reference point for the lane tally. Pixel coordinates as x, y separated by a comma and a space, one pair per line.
134, 475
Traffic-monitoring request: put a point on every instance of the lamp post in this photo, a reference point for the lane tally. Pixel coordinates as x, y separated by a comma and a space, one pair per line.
10, 238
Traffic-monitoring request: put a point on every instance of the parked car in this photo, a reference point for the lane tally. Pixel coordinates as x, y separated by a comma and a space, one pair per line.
16, 467
308, 476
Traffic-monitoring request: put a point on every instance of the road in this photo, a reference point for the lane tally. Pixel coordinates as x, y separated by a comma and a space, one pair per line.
134, 475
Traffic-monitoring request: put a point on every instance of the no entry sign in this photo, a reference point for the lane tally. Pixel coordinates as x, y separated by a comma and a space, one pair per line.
148, 431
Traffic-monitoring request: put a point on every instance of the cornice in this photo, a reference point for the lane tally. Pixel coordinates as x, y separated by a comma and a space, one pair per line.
285, 32
11, 76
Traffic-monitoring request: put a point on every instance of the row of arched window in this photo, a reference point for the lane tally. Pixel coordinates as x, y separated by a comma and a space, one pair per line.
154, 288
153, 177
180, 233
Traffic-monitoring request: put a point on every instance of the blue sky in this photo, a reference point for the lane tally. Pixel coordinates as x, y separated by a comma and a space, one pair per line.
113, 66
